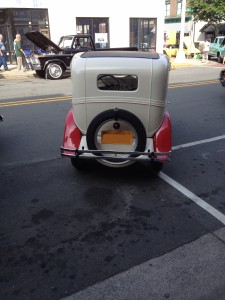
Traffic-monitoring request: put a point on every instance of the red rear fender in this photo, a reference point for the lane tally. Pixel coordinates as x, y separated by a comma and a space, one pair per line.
72, 134
163, 137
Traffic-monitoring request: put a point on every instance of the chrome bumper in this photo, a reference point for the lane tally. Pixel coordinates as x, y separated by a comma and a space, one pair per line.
102, 155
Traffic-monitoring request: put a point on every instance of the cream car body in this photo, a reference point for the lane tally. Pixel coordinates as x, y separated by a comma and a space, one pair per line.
124, 85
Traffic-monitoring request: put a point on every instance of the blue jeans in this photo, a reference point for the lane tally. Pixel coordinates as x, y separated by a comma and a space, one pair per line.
3, 61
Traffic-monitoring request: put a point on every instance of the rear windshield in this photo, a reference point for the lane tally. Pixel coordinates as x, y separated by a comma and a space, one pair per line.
112, 82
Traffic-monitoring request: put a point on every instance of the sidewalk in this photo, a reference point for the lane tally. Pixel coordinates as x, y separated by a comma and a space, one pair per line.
192, 272
14, 73
193, 62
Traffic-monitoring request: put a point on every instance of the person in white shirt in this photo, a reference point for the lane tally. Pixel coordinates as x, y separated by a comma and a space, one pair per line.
205, 53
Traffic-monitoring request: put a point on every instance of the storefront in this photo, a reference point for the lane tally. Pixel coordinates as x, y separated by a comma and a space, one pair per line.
142, 32
22, 20
125, 25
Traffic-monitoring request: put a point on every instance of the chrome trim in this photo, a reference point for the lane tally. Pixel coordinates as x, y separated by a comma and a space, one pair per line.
91, 154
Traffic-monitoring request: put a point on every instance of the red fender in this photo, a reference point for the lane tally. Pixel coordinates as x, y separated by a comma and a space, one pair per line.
72, 134
163, 137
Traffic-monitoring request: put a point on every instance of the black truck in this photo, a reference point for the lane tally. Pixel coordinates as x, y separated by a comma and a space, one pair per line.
52, 61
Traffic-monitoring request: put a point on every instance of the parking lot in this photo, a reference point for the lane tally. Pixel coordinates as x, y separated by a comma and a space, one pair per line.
104, 234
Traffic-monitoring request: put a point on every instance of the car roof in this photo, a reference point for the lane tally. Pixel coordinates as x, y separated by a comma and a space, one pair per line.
125, 54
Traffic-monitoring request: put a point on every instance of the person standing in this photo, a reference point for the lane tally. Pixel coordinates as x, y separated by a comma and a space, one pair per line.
19, 53
3, 54
205, 53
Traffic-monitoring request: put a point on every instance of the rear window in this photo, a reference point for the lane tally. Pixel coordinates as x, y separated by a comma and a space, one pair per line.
112, 82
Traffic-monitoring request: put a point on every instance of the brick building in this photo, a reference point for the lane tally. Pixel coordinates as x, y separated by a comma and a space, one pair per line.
173, 10
197, 31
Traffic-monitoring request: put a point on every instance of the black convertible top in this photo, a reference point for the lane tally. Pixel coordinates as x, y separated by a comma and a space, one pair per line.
128, 54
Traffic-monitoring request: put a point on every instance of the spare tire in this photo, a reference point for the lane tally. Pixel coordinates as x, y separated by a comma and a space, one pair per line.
114, 120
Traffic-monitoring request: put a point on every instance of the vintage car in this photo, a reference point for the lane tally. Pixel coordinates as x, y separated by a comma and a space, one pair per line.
216, 49
118, 109
52, 61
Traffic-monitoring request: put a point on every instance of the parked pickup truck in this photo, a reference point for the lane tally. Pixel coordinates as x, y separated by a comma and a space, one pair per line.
216, 49
54, 60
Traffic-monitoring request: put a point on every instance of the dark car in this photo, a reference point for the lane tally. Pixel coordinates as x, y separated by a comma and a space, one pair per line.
222, 77
53, 60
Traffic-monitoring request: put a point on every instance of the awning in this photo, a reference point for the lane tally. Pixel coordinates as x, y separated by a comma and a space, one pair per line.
207, 28
211, 28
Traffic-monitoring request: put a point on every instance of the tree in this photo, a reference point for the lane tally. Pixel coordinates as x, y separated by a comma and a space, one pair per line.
210, 11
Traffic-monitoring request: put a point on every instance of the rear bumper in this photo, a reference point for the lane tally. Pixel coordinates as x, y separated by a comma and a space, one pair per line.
158, 148
116, 155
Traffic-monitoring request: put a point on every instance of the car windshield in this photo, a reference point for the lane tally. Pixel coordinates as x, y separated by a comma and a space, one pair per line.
66, 41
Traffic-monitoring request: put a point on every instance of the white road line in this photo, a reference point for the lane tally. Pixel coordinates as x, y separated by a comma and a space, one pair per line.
211, 210
217, 138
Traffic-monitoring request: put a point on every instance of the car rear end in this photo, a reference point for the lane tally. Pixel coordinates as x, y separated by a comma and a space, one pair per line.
118, 108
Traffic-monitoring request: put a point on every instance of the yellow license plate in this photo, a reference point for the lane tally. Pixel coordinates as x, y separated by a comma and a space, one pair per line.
116, 137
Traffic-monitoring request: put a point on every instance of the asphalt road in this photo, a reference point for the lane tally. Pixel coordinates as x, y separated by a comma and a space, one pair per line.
126, 234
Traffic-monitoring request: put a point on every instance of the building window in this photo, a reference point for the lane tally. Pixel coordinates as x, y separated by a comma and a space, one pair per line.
16, 20
143, 34
167, 13
179, 7
98, 28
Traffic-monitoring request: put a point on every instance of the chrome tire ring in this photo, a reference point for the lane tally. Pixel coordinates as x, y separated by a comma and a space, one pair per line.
127, 121
54, 71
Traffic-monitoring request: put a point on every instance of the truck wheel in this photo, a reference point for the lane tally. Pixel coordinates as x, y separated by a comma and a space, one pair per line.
116, 121
40, 73
54, 71
220, 59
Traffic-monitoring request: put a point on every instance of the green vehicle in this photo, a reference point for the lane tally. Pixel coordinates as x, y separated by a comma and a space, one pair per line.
217, 49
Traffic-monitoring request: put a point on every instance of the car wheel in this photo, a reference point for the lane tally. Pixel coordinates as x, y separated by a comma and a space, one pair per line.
77, 163
116, 123
220, 59
157, 166
54, 71
40, 73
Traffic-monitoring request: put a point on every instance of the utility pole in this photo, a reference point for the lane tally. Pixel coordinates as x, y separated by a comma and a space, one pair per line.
180, 58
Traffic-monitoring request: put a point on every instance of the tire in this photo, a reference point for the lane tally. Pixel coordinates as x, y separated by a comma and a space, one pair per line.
157, 166
54, 71
40, 73
77, 163
113, 120
220, 59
